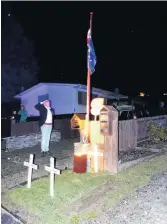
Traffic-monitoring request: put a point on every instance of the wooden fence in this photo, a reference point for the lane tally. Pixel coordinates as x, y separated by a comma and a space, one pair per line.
131, 132
62, 125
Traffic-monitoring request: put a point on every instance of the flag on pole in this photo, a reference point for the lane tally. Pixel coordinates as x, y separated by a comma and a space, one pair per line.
91, 53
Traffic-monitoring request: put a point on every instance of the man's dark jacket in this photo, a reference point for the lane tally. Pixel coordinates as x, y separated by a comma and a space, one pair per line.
43, 113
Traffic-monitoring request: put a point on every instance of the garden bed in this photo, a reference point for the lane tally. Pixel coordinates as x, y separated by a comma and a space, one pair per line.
150, 144
134, 154
143, 149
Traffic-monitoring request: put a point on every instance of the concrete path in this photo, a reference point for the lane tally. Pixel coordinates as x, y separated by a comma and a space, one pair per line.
7, 218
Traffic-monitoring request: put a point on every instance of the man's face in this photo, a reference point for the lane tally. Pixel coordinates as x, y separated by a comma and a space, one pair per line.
47, 103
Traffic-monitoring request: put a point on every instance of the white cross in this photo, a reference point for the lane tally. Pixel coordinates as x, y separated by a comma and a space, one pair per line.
95, 153
52, 171
30, 166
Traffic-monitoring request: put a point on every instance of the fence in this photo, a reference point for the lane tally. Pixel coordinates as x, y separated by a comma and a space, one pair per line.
130, 131
63, 125
134, 131
5, 128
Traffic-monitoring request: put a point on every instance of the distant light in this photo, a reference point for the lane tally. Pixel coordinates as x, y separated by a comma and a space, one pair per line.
9, 14
142, 94
165, 94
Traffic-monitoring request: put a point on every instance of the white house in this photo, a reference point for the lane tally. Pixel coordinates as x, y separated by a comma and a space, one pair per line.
65, 98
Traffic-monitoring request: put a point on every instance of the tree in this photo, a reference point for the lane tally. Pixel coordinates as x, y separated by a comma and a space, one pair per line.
19, 66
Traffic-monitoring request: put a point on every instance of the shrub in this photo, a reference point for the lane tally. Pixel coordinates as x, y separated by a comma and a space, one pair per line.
157, 133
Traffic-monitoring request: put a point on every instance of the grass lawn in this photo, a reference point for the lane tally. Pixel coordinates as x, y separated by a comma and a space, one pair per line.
69, 187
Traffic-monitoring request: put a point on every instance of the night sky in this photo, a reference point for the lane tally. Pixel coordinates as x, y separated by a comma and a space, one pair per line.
130, 40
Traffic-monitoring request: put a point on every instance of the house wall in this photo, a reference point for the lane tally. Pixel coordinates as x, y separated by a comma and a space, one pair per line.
80, 109
29, 100
62, 98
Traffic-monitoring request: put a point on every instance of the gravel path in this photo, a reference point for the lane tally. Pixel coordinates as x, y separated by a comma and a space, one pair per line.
13, 172
147, 206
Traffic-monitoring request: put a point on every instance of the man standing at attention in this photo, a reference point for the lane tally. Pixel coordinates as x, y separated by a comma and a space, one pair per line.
46, 120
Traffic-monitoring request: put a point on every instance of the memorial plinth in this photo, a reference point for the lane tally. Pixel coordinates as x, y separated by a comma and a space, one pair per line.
101, 154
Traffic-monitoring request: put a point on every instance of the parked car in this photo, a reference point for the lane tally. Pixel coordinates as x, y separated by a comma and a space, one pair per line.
143, 112
127, 115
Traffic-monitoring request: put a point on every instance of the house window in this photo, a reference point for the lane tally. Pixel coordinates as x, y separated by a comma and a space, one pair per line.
81, 98
41, 98
105, 101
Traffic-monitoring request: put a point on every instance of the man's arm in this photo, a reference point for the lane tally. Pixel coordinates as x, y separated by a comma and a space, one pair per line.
53, 111
38, 106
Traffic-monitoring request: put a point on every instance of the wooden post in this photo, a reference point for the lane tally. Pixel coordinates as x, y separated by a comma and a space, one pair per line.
52, 171
30, 166
111, 143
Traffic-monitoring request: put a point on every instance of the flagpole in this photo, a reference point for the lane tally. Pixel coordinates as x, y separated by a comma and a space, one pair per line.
88, 85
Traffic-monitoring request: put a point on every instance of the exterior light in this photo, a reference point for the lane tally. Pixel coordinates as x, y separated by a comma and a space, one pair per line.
142, 94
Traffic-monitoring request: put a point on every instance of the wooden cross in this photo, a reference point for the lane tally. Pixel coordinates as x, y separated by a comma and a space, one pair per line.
30, 166
52, 171
95, 153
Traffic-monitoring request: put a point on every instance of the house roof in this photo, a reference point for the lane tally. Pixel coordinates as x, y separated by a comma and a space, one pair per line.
80, 116
42, 84
102, 93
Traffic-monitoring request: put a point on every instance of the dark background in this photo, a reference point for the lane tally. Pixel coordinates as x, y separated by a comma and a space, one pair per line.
130, 40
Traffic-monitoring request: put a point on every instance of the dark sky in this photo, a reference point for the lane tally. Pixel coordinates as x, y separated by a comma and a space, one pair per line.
130, 40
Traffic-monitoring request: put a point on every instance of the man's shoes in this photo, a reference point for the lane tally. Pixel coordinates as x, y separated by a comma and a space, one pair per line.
49, 153
43, 154
46, 153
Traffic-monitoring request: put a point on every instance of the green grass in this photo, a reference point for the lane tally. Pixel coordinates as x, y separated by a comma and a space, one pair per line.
69, 187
